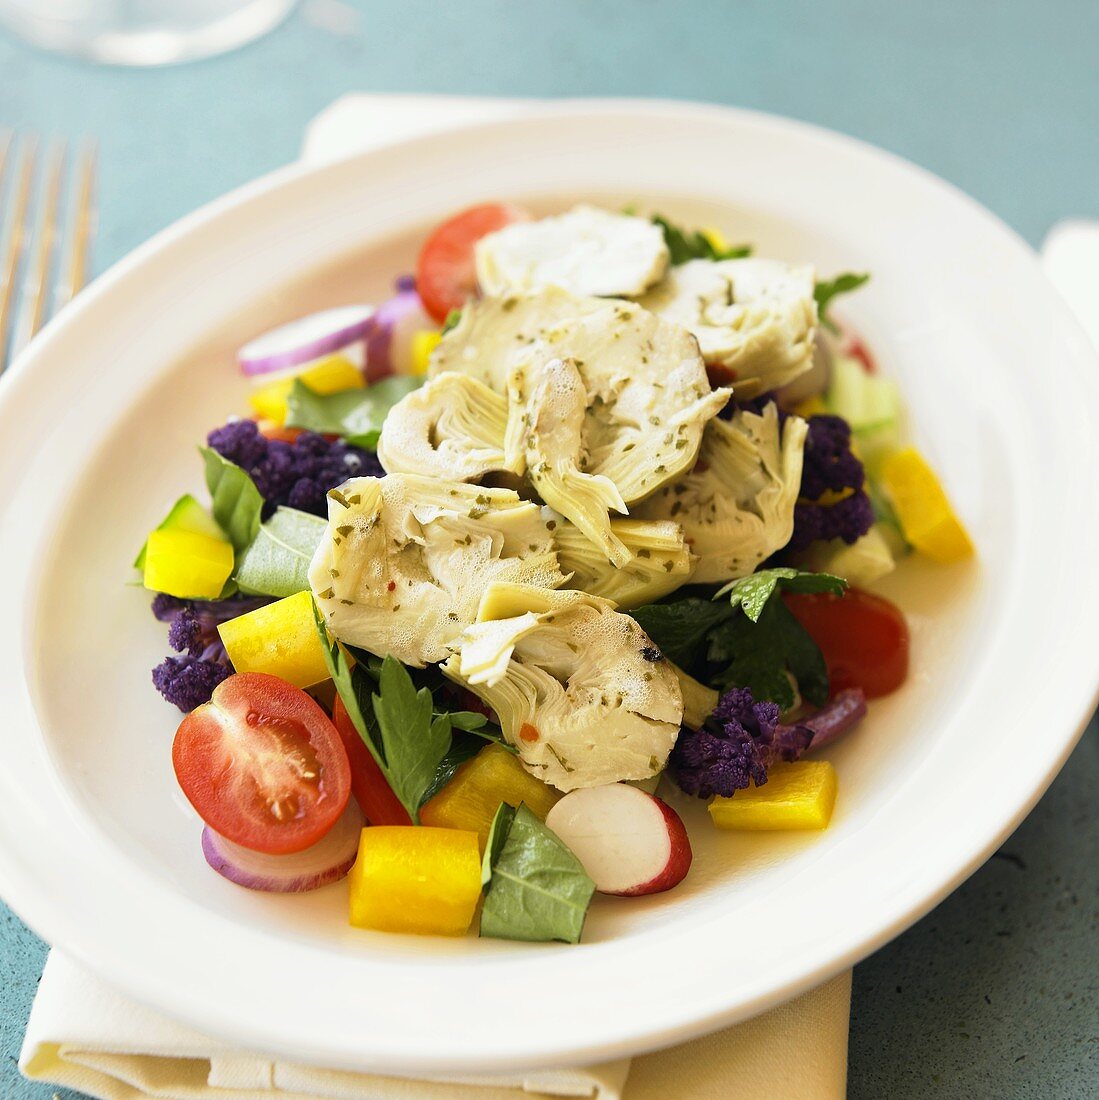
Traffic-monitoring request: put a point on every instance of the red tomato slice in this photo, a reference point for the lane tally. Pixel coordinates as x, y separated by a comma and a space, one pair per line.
373, 794
445, 274
262, 764
864, 639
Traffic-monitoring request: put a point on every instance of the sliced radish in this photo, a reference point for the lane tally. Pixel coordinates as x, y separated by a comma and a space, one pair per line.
305, 339
326, 861
629, 842
389, 338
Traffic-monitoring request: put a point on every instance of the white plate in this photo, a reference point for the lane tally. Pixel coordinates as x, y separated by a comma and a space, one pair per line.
98, 850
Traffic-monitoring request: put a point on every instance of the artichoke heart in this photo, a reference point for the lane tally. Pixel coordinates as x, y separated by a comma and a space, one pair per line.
585, 250
736, 507
647, 394
659, 562
755, 318
452, 428
545, 429
579, 689
404, 560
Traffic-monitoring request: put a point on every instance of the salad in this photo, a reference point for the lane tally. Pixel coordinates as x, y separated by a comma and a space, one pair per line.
590, 511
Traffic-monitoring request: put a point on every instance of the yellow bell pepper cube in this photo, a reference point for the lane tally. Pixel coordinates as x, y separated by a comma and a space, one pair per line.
924, 513
423, 344
332, 374
715, 238
280, 638
470, 800
795, 796
187, 564
811, 406
410, 878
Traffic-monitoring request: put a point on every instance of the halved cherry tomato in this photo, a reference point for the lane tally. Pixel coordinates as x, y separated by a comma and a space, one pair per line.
262, 764
270, 430
373, 794
864, 638
445, 275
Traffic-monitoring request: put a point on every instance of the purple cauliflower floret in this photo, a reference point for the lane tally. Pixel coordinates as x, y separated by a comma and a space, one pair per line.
735, 747
297, 474
829, 464
188, 681
848, 519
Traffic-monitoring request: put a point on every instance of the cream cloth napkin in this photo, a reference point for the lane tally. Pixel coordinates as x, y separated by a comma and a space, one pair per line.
84, 1035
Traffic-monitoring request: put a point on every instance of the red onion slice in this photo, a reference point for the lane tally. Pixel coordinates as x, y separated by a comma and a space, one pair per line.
326, 861
395, 322
841, 713
305, 339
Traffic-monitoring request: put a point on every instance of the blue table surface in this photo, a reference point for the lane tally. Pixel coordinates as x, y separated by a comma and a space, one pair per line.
995, 992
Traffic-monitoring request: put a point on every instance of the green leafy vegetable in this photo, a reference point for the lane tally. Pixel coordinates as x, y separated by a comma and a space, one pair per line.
237, 503
463, 746
537, 889
277, 561
758, 655
356, 415
751, 593
684, 245
828, 289
414, 739
682, 629
759, 649
412, 742
452, 319
497, 837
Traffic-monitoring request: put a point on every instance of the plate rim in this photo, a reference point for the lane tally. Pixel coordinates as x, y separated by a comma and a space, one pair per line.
35, 911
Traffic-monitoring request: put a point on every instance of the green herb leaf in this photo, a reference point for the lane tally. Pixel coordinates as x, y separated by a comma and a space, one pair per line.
759, 649
751, 593
355, 686
463, 746
277, 561
681, 630
537, 889
497, 837
684, 245
827, 289
414, 739
356, 415
237, 503
452, 319
758, 655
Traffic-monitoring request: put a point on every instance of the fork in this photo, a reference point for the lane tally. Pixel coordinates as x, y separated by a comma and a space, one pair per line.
47, 221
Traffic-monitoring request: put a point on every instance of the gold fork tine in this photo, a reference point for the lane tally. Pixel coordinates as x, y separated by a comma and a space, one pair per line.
83, 224
17, 240
40, 286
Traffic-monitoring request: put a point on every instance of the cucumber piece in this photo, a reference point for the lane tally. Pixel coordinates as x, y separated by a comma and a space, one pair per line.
863, 562
185, 515
863, 400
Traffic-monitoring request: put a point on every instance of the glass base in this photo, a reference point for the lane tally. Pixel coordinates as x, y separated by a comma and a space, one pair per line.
145, 32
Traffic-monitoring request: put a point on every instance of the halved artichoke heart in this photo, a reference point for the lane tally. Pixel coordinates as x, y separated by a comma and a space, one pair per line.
452, 427
585, 250
579, 689
755, 318
405, 559
545, 432
647, 394
736, 507
660, 561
